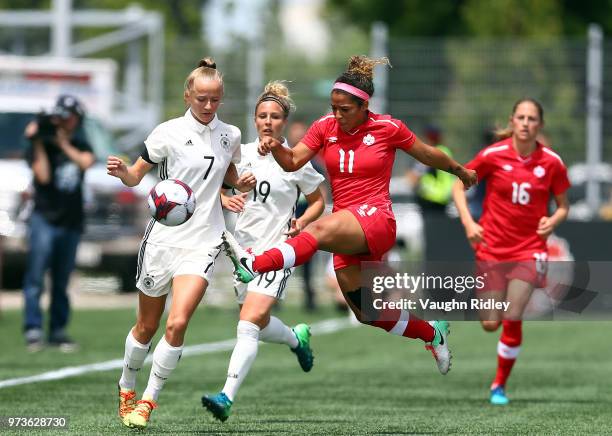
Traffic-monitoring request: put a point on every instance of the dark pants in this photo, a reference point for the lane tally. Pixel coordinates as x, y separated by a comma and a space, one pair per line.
51, 247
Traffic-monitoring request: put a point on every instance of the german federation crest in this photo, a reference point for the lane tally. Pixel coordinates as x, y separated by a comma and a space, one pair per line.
225, 143
148, 282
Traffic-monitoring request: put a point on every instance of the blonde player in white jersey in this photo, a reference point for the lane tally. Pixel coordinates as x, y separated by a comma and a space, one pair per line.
265, 220
200, 150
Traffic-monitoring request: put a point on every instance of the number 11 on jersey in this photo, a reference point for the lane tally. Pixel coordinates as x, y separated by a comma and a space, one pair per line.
351, 159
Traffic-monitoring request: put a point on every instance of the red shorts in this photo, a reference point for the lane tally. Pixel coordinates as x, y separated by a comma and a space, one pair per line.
378, 224
497, 274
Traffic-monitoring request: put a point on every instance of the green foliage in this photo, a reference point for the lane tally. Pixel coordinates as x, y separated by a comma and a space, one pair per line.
478, 17
404, 17
489, 76
536, 18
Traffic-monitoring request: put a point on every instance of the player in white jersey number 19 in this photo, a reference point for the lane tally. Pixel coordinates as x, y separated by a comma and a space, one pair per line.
266, 219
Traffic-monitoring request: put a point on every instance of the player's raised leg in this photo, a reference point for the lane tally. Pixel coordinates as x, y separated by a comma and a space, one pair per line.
293, 252
338, 232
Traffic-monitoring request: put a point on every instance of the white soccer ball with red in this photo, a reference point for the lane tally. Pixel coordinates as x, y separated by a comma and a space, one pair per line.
171, 202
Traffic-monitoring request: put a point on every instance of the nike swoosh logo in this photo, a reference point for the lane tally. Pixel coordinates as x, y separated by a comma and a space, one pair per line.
243, 263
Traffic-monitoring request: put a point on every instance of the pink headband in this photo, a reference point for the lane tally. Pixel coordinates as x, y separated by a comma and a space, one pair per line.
351, 90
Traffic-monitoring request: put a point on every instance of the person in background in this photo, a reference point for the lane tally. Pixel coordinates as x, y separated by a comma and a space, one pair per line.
58, 158
433, 188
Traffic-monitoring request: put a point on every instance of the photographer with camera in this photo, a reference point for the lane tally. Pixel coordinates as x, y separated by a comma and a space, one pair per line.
58, 158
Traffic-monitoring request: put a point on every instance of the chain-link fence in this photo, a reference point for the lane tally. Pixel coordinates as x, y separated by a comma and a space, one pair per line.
465, 87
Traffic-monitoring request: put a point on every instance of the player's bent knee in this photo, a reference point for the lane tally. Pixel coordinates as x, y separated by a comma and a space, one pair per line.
320, 231
490, 326
259, 317
175, 328
144, 331
361, 300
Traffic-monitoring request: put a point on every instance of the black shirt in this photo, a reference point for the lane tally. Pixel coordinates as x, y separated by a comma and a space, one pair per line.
61, 200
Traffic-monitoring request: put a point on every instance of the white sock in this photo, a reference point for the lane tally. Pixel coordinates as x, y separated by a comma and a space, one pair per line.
277, 332
288, 253
165, 359
134, 357
242, 358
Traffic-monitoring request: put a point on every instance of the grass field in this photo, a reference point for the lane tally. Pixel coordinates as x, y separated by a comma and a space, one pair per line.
364, 381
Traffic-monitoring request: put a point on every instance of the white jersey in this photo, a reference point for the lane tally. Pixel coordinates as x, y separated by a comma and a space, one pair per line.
271, 205
198, 155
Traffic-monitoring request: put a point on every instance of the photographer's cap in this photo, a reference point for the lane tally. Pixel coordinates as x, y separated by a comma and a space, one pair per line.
67, 104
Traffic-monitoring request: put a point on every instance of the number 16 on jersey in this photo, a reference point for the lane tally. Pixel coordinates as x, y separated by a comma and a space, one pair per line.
520, 193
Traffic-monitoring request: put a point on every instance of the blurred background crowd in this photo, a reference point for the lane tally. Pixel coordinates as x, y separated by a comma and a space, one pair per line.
457, 68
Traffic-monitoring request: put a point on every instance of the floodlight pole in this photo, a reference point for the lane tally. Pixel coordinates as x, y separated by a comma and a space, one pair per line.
379, 44
255, 66
593, 116
61, 30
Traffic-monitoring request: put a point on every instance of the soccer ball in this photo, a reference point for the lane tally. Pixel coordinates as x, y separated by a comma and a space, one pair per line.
171, 202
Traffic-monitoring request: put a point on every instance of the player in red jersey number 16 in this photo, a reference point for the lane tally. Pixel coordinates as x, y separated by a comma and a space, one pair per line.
510, 237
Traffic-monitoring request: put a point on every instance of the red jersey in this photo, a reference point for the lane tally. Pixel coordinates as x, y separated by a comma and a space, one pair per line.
517, 195
359, 163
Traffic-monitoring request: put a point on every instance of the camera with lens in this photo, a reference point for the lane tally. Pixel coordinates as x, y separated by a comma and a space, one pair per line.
47, 125
48, 122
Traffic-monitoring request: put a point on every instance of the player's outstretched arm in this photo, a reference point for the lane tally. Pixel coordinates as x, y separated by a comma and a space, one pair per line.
433, 157
130, 176
290, 159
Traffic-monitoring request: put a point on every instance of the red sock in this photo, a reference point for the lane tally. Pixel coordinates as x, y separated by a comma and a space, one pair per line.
293, 252
508, 349
417, 328
394, 322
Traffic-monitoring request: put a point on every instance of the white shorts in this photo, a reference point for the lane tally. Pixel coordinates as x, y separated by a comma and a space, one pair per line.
272, 283
158, 265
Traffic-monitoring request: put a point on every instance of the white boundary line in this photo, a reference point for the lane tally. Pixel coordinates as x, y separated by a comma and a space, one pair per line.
320, 328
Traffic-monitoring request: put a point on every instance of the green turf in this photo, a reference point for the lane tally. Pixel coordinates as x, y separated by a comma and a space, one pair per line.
364, 382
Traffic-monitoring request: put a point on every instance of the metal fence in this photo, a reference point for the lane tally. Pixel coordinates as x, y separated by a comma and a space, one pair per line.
467, 87
463, 86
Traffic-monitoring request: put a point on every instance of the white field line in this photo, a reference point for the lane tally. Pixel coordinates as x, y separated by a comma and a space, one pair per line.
319, 328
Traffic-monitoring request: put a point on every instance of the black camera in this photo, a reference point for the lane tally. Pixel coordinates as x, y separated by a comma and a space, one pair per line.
65, 107
47, 125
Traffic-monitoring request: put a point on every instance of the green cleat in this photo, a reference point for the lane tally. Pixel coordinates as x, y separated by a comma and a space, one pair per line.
439, 346
303, 350
219, 405
241, 258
